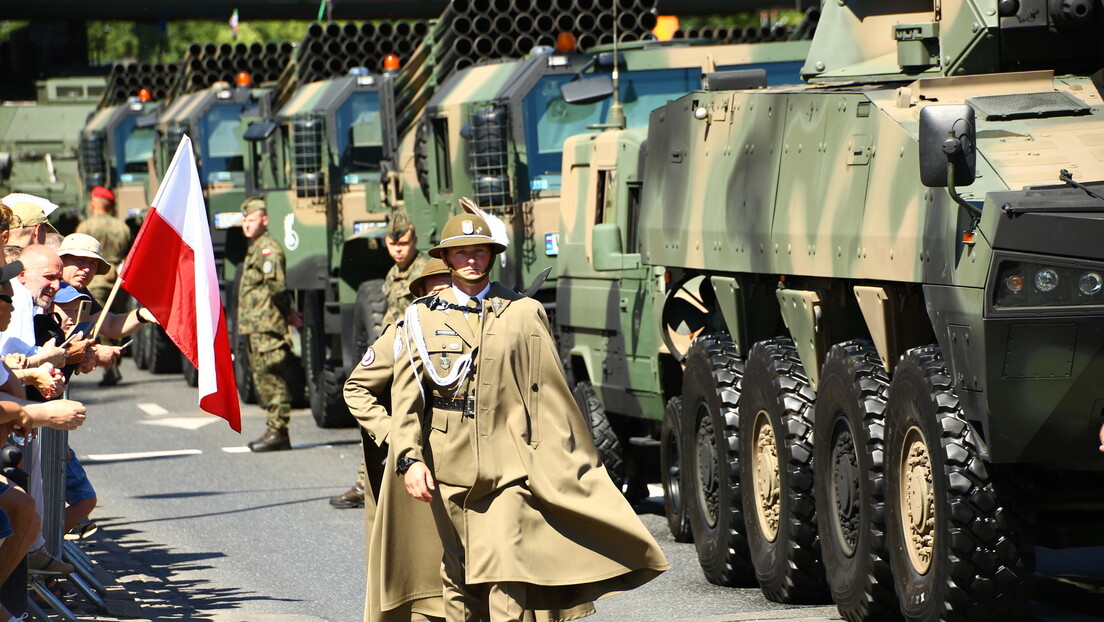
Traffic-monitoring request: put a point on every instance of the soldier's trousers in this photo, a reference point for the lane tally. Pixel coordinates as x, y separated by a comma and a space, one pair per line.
269, 356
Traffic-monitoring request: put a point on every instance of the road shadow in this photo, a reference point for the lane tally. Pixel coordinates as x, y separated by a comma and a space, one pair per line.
151, 573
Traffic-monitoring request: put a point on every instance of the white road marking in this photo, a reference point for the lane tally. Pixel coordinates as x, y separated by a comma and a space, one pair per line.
237, 449
152, 410
183, 423
139, 455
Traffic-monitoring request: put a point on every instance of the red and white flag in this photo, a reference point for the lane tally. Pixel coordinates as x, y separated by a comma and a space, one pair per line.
171, 271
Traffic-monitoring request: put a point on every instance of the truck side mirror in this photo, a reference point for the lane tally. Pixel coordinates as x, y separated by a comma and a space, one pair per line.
587, 90
607, 252
947, 137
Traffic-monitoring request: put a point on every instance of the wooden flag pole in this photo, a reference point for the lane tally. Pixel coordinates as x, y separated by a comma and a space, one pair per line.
107, 305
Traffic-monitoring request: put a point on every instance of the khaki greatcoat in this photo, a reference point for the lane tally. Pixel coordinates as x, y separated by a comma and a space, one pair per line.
404, 552
541, 508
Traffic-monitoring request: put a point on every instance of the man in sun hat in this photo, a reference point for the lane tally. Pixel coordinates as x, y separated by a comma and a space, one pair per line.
29, 224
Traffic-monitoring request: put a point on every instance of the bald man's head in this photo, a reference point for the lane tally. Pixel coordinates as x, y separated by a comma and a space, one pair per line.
41, 273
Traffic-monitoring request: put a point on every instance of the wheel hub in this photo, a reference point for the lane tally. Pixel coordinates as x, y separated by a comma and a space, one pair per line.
767, 481
708, 469
845, 471
917, 501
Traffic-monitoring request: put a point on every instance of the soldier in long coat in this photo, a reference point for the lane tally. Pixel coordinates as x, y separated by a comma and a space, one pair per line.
487, 430
411, 587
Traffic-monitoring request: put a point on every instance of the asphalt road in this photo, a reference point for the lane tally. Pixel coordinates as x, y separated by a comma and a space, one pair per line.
217, 533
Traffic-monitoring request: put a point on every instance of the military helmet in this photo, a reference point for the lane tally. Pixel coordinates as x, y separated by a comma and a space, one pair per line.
464, 230
433, 266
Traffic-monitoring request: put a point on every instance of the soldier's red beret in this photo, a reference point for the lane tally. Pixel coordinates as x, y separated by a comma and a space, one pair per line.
103, 193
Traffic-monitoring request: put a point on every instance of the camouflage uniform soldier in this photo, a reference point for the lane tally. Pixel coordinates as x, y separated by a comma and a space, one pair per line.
264, 313
402, 245
114, 238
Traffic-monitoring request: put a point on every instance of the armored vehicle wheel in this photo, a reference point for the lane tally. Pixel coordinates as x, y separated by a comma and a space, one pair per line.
243, 371
328, 399
191, 374
672, 461
140, 348
710, 395
847, 450
606, 441
164, 357
371, 306
955, 541
776, 445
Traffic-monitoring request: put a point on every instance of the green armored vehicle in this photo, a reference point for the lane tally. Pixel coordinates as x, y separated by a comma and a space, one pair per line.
878, 304
38, 140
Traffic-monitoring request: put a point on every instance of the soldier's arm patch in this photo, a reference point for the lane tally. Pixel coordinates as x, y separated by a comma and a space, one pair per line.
267, 267
266, 251
369, 358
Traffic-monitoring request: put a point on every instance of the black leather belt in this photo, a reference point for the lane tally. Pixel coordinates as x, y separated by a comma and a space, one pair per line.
466, 405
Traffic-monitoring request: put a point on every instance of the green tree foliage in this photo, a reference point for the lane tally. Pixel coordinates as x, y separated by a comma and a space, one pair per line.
110, 41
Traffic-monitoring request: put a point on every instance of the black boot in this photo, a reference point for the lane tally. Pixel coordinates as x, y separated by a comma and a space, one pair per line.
271, 441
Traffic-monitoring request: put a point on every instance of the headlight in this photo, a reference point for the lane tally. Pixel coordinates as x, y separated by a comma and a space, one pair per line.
1046, 280
1024, 284
1090, 283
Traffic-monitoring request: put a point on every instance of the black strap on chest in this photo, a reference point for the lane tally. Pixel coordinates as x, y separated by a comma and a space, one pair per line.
436, 304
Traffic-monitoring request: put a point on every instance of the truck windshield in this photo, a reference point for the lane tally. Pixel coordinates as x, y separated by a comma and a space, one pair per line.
359, 137
136, 147
220, 132
549, 120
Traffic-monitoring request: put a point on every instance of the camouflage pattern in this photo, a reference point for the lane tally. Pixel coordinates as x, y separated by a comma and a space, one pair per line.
523, 187
396, 287
270, 356
263, 307
112, 233
264, 302
48, 126
794, 218
115, 153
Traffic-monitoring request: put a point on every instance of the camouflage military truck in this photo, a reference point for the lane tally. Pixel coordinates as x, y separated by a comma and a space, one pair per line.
215, 119
876, 300
496, 133
38, 142
317, 166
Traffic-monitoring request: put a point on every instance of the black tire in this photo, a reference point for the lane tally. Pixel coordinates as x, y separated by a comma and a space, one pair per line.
368, 313
776, 443
848, 452
710, 397
970, 558
140, 348
191, 374
672, 461
610, 449
164, 357
327, 399
243, 370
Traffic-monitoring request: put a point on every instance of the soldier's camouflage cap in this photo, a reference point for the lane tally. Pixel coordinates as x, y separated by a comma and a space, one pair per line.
398, 225
251, 205
432, 267
464, 230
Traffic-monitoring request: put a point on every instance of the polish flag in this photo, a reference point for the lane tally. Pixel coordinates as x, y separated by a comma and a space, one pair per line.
171, 271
